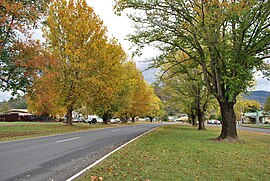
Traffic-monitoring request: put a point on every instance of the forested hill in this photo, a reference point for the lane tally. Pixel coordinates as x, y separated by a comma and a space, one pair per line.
259, 96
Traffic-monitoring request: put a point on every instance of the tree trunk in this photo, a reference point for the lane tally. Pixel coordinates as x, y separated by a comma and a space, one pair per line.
105, 118
193, 119
228, 121
124, 119
69, 116
133, 119
201, 119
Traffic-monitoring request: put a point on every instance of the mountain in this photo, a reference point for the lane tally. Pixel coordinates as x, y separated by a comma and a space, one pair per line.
260, 96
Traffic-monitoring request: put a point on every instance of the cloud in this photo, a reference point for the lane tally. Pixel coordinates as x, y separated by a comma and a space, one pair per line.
262, 83
4, 96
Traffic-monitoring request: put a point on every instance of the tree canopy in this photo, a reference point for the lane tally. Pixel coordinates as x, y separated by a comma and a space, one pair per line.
86, 70
229, 40
19, 54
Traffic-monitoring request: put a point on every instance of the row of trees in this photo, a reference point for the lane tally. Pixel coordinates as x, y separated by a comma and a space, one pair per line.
77, 68
182, 85
227, 40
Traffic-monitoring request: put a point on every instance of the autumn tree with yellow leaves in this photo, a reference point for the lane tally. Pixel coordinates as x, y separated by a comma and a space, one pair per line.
75, 36
140, 99
105, 89
88, 70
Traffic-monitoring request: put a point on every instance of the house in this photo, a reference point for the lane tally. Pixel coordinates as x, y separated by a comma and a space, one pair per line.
16, 115
256, 117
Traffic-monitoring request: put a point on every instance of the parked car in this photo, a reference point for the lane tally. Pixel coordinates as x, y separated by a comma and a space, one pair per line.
115, 120
217, 122
93, 119
78, 120
211, 121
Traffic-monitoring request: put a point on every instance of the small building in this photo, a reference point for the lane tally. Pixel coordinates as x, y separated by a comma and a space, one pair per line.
256, 117
16, 115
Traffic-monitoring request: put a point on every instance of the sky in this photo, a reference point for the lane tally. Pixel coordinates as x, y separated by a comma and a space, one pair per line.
119, 27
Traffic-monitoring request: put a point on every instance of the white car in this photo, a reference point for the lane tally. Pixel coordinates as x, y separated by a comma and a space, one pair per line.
93, 119
116, 120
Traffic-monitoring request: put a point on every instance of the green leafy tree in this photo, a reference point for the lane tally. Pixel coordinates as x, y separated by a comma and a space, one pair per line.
229, 40
267, 105
187, 89
4, 107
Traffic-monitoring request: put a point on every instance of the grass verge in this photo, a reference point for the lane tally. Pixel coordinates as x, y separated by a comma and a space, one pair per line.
178, 152
22, 130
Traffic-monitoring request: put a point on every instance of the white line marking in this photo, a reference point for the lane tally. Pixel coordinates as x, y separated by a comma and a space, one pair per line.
103, 158
115, 130
60, 141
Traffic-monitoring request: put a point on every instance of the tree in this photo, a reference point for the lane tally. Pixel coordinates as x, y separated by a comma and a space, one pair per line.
130, 76
229, 40
18, 53
245, 105
4, 107
107, 92
187, 90
140, 99
267, 105
75, 36
43, 98
155, 108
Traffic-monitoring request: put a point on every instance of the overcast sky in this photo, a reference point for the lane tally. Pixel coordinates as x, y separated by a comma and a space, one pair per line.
120, 27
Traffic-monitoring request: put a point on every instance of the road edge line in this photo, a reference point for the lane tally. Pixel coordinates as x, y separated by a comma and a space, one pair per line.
106, 156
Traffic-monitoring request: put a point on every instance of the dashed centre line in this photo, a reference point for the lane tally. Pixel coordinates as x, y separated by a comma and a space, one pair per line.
60, 141
115, 130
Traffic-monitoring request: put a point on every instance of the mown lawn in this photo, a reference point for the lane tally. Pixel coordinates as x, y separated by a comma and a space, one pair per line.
21, 130
178, 152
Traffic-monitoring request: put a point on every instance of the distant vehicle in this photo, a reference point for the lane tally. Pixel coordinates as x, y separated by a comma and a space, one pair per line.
217, 122
93, 119
182, 118
78, 120
115, 120
170, 118
213, 121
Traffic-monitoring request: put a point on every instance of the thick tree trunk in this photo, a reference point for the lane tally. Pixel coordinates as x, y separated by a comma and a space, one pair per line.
105, 118
69, 116
228, 121
201, 119
133, 119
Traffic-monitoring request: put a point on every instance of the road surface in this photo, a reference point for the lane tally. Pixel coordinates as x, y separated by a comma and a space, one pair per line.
260, 130
60, 157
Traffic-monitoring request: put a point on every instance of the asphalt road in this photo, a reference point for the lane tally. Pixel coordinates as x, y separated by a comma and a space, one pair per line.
60, 157
259, 130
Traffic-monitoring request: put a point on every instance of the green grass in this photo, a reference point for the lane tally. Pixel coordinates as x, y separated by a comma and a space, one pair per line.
20, 130
264, 126
178, 152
